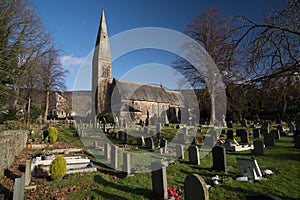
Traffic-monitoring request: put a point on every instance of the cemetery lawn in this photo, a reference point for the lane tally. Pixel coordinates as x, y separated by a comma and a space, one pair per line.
283, 159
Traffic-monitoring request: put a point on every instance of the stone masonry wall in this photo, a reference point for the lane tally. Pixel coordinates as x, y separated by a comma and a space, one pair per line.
11, 145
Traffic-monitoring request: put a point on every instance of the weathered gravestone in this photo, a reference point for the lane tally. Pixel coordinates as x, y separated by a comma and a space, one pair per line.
276, 134
258, 148
106, 151
19, 187
249, 168
269, 139
230, 134
219, 158
159, 181
179, 151
114, 157
256, 133
194, 157
195, 188
244, 136
209, 141
28, 172
126, 164
149, 143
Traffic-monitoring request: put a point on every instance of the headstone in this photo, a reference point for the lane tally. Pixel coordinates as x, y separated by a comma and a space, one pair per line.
239, 131
125, 137
195, 188
184, 131
256, 133
181, 138
163, 145
276, 134
269, 139
244, 135
19, 187
297, 141
159, 181
107, 151
219, 158
230, 134
114, 156
194, 157
258, 148
95, 144
28, 172
149, 143
230, 124
249, 168
179, 151
209, 141
146, 131
120, 135
126, 163
141, 141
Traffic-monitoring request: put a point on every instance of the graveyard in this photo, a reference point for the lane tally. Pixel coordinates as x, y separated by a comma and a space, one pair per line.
281, 158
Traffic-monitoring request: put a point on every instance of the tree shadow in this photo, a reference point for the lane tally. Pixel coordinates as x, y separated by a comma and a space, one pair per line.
100, 180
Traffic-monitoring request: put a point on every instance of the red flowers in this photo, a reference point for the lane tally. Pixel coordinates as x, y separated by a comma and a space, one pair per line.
172, 192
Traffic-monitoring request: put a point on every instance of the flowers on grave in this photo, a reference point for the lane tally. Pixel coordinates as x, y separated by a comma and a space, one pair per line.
173, 193
111, 175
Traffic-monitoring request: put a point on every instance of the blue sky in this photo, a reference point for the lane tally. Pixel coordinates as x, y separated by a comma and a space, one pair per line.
74, 24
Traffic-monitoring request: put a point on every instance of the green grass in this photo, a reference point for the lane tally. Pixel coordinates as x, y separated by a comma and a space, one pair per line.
283, 159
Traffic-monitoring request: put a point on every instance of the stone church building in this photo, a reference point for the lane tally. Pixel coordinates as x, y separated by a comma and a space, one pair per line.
129, 101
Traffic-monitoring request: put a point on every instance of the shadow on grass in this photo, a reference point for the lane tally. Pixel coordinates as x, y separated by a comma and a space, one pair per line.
101, 181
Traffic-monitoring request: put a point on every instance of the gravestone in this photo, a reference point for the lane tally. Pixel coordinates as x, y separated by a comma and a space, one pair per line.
195, 188
125, 137
219, 158
269, 139
239, 131
181, 138
209, 141
28, 172
230, 134
258, 148
230, 124
141, 141
276, 134
114, 157
297, 141
184, 131
163, 145
149, 143
120, 135
249, 168
19, 187
179, 151
159, 181
194, 157
126, 164
244, 136
256, 133
107, 151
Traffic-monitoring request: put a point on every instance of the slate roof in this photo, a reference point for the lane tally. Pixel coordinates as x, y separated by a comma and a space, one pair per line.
146, 92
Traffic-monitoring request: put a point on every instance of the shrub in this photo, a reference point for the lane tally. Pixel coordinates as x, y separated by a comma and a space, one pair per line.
53, 134
106, 117
58, 168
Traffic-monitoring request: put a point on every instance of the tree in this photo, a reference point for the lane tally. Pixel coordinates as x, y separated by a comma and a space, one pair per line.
273, 57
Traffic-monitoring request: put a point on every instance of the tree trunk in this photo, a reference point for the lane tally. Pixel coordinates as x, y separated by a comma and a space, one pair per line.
46, 106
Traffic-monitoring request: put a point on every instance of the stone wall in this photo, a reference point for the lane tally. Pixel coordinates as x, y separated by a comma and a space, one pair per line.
11, 145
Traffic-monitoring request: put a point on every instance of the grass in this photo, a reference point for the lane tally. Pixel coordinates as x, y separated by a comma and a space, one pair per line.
283, 159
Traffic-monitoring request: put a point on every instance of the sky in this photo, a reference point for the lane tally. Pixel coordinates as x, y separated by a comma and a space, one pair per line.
74, 24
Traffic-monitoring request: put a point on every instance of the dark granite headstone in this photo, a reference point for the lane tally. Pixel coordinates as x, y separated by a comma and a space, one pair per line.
256, 133
194, 156
219, 158
195, 188
159, 181
230, 134
258, 148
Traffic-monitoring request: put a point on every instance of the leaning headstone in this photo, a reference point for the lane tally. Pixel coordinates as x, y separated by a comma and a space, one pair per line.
249, 168
194, 157
230, 134
126, 164
179, 151
28, 172
114, 157
149, 143
269, 139
19, 187
159, 181
106, 151
256, 133
219, 158
244, 136
195, 188
276, 134
258, 148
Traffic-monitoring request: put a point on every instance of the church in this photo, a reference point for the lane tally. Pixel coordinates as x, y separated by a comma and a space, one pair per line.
135, 103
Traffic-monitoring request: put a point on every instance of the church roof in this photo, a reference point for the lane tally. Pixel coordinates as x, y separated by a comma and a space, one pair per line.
147, 92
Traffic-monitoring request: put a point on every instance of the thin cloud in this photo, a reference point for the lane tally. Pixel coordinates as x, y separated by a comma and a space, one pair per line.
71, 61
